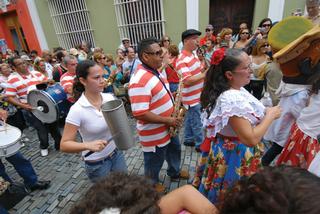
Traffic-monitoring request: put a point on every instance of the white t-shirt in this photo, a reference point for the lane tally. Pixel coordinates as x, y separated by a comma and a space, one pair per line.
309, 119
92, 125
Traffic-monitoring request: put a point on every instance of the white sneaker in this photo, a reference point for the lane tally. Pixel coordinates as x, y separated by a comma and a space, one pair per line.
44, 152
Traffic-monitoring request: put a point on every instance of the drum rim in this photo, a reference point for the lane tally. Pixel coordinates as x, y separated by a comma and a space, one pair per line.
14, 142
50, 98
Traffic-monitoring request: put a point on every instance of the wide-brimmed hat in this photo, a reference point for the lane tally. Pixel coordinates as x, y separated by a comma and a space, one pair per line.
291, 37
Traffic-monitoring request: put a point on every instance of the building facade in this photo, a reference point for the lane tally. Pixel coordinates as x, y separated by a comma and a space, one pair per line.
103, 23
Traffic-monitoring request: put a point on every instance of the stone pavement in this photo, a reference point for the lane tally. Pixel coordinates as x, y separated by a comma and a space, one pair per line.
68, 179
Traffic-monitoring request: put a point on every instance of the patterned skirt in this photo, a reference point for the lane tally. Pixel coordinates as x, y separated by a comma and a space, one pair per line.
223, 163
300, 149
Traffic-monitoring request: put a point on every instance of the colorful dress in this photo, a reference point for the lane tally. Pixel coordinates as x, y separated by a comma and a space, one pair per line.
303, 143
224, 159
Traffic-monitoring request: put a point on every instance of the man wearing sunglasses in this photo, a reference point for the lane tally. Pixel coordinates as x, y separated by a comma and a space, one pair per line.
152, 106
208, 35
193, 73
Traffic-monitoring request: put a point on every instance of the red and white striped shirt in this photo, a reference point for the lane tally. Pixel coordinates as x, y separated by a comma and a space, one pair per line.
19, 85
66, 81
147, 94
189, 66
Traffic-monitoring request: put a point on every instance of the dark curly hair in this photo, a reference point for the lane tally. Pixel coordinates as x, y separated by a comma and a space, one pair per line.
216, 82
129, 193
280, 189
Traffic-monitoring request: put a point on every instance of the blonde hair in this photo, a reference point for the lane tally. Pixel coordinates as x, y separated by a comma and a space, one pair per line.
225, 31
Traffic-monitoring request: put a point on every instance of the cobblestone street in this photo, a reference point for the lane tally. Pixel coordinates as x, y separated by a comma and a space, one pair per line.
68, 179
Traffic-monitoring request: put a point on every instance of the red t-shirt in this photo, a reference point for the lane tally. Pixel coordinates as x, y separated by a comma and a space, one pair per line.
172, 75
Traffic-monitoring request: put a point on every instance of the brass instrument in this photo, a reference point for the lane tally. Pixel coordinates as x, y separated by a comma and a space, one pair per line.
179, 110
109, 81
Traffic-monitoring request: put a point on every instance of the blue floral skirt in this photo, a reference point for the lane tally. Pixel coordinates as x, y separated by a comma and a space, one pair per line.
225, 162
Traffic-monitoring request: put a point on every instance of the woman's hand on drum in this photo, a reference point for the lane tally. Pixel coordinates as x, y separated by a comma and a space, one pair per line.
51, 82
97, 145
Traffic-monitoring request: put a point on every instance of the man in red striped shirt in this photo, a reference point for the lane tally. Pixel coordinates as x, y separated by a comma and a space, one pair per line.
152, 106
193, 73
20, 83
67, 79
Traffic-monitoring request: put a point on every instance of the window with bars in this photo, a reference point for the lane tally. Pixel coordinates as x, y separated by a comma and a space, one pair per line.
71, 22
139, 19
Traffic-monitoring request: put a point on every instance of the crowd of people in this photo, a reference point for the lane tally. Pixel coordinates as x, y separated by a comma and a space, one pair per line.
239, 93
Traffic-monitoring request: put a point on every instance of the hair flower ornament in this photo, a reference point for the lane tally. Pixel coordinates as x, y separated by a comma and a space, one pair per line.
218, 56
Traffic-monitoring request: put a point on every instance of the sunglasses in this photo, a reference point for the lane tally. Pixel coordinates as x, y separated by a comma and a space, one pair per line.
245, 33
265, 45
103, 57
157, 53
207, 30
266, 25
166, 40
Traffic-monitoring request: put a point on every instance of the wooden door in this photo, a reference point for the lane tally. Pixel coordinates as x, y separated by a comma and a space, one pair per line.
16, 32
231, 13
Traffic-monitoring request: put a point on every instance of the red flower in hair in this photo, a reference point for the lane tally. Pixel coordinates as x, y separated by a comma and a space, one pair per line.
218, 56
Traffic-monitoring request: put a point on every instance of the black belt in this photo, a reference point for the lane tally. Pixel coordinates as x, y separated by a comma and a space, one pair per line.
110, 156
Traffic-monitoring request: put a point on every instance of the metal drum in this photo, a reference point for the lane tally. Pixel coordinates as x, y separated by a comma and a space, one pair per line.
9, 140
52, 102
117, 120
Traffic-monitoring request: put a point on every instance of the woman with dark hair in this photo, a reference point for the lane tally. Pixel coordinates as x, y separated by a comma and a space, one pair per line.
165, 42
86, 117
234, 122
275, 190
265, 26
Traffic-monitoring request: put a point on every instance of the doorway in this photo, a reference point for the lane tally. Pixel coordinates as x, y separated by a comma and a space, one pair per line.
230, 13
16, 32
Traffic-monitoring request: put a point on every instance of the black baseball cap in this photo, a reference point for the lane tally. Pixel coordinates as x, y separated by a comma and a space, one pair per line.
188, 33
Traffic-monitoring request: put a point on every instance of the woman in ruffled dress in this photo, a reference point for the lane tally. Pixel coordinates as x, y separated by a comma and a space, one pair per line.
303, 143
234, 121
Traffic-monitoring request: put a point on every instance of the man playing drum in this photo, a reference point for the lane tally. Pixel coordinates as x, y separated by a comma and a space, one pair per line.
20, 83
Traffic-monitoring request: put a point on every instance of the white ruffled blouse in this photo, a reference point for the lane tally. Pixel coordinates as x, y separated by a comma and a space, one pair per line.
230, 103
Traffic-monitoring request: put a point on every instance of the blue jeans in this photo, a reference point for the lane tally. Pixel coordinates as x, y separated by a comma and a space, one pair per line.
100, 169
192, 126
23, 168
153, 161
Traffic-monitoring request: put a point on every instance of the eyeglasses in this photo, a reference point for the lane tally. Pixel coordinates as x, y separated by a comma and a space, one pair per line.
266, 25
245, 33
157, 53
207, 30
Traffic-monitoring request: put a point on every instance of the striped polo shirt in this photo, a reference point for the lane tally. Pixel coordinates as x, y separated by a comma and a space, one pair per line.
66, 81
19, 85
147, 94
189, 65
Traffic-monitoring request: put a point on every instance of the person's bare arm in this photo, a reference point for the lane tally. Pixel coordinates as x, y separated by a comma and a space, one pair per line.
69, 145
186, 198
250, 135
13, 100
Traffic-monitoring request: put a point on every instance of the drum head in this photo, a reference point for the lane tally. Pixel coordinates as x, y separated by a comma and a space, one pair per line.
9, 137
50, 111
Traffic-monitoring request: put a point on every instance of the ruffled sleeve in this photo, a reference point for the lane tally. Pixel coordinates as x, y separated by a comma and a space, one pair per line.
230, 103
